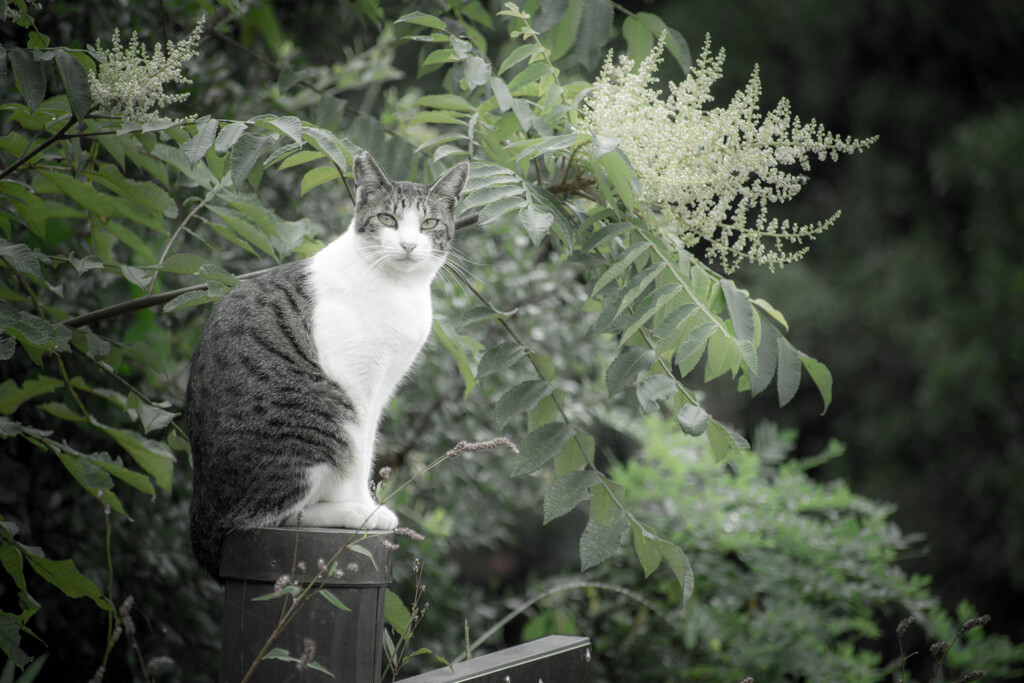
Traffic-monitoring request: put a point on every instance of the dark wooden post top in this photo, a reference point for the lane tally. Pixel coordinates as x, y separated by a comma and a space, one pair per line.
348, 641
265, 554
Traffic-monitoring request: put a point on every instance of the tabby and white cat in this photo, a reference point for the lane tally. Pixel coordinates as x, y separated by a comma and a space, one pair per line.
295, 367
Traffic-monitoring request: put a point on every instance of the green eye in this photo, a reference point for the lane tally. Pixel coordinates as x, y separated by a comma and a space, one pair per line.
387, 219
429, 224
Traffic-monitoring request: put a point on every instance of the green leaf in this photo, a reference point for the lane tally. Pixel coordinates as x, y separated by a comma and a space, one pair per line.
619, 266
603, 505
489, 195
767, 359
520, 399
289, 126
154, 418
788, 371
693, 419
496, 210
525, 51
647, 548
500, 357
452, 341
548, 145
228, 136
536, 223
38, 336
318, 176
184, 264
501, 94
693, 347
421, 19
478, 72
446, 101
12, 396
624, 370
601, 541
64, 575
356, 548
76, 83
594, 32
28, 76
741, 311
7, 345
680, 566
822, 378
395, 612
196, 297
336, 149
84, 193
723, 442
246, 152
675, 43
653, 389
198, 145
152, 456
333, 599
23, 259
539, 447
648, 308
566, 492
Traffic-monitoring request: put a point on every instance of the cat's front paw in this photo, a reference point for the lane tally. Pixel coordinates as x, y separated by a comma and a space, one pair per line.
346, 516
382, 518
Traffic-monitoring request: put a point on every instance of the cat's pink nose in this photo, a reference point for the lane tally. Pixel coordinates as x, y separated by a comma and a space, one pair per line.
408, 246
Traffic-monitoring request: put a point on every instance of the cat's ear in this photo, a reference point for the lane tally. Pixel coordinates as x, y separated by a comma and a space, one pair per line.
368, 174
452, 181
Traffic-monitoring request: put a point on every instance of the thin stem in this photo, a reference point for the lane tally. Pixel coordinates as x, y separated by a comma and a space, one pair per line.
181, 227
59, 135
548, 593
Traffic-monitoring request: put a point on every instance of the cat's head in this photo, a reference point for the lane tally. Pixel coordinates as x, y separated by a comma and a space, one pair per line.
402, 226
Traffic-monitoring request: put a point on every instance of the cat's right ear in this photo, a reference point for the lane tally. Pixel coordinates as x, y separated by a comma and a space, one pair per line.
368, 175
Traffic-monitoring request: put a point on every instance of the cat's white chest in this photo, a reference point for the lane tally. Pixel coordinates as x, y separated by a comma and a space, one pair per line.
367, 327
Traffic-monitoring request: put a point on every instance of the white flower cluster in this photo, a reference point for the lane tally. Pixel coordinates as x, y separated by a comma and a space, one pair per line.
711, 172
130, 83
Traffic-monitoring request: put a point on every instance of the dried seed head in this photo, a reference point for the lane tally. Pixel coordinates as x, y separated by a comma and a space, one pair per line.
937, 649
748, 679
390, 545
405, 531
160, 663
976, 621
308, 653
384, 473
301, 565
972, 676
281, 582
904, 625
352, 567
321, 566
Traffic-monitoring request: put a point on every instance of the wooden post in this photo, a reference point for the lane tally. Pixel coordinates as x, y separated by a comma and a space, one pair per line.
348, 643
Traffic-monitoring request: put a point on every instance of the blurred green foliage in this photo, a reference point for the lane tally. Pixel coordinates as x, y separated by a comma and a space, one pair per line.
96, 482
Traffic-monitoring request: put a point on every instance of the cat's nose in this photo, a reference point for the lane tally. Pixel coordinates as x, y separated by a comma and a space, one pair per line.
408, 246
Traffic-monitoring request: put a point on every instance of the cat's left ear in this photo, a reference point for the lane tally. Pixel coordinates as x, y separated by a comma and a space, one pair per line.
368, 175
452, 181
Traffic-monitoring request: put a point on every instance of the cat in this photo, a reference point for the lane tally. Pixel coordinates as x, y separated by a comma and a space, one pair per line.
294, 368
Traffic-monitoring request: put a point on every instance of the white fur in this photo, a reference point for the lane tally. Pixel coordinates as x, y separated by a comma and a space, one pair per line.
371, 315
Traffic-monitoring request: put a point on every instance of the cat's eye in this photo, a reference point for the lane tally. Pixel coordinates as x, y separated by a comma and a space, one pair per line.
428, 224
387, 219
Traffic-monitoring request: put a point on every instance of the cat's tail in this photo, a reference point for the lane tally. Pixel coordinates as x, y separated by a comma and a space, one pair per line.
206, 540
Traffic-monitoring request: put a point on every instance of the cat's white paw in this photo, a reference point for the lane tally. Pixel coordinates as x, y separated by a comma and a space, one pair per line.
346, 516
